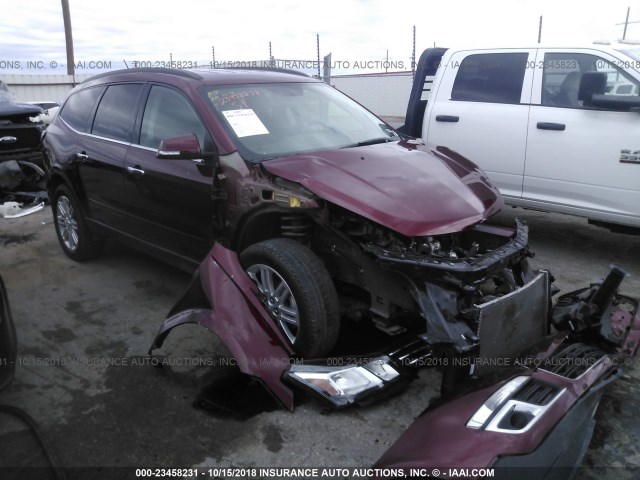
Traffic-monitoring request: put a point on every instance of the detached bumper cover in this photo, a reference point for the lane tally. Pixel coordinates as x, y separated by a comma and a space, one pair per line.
546, 422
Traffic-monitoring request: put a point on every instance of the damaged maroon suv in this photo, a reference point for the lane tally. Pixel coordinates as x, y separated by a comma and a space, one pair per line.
333, 215
305, 217
302, 214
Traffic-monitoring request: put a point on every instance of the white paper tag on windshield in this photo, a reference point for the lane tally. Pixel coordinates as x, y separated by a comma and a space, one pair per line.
245, 122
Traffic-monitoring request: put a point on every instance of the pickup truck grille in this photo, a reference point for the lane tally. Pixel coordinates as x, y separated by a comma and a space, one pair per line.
27, 137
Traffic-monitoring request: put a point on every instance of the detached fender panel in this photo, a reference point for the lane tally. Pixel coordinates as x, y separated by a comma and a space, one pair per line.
239, 320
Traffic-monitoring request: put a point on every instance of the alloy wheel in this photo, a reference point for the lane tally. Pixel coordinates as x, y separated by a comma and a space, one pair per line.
277, 298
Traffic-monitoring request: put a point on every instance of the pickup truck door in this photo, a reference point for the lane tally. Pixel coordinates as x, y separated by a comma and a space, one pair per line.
582, 160
480, 108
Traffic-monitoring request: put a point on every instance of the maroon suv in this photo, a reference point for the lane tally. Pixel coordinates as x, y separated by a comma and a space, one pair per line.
306, 216
331, 212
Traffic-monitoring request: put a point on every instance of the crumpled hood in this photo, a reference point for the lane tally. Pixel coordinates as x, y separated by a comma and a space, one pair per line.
410, 190
15, 109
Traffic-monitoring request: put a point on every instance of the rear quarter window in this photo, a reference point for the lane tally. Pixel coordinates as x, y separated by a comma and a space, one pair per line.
490, 77
79, 106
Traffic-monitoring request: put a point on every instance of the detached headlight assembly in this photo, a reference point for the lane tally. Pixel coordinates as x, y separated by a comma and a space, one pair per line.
345, 385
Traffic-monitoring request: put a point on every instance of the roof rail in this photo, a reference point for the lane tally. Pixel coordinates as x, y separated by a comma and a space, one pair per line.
269, 69
166, 71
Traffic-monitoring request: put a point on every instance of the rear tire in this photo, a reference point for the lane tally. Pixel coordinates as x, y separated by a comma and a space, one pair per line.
73, 234
297, 291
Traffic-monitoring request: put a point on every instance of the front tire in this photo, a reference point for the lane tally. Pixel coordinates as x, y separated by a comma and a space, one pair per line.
297, 291
73, 234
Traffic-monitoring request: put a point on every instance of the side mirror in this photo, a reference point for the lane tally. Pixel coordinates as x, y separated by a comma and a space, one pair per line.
591, 83
185, 147
621, 103
592, 93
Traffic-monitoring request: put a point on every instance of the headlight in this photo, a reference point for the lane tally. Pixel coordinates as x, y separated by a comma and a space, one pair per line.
344, 385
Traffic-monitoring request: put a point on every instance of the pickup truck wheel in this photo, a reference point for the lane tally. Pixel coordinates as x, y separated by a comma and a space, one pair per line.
73, 234
296, 289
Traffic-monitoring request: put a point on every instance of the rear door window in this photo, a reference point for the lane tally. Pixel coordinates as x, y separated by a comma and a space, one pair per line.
79, 106
116, 112
490, 77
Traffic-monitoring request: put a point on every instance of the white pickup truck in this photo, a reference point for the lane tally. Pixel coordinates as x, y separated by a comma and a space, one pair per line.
556, 129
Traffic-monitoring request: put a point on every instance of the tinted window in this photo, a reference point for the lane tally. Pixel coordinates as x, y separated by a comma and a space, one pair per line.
490, 77
563, 73
78, 107
168, 114
115, 115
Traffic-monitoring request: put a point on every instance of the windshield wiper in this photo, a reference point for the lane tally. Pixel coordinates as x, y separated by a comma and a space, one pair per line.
372, 141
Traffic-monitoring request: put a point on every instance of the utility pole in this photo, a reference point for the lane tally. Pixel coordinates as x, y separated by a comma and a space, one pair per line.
213, 55
540, 30
627, 22
326, 70
66, 16
318, 44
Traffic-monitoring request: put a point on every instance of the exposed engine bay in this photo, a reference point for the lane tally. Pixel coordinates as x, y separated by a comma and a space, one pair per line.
440, 278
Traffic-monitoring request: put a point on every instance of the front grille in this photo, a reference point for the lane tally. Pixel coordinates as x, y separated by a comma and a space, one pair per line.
573, 360
536, 392
27, 137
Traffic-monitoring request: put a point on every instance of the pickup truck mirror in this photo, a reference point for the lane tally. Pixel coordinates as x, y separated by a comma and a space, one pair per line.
623, 103
591, 83
185, 147
592, 93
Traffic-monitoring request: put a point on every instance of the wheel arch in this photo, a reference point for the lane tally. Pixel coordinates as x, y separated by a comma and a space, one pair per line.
59, 177
264, 224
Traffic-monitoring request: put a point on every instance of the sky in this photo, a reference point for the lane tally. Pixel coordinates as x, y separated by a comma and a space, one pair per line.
119, 33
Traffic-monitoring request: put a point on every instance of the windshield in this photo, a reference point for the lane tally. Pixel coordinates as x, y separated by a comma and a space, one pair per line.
278, 119
634, 53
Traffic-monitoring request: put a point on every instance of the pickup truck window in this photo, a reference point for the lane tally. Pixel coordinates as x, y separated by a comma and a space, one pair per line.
490, 77
563, 72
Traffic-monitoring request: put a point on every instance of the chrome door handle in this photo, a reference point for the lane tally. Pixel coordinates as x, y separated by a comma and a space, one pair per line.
136, 172
82, 156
